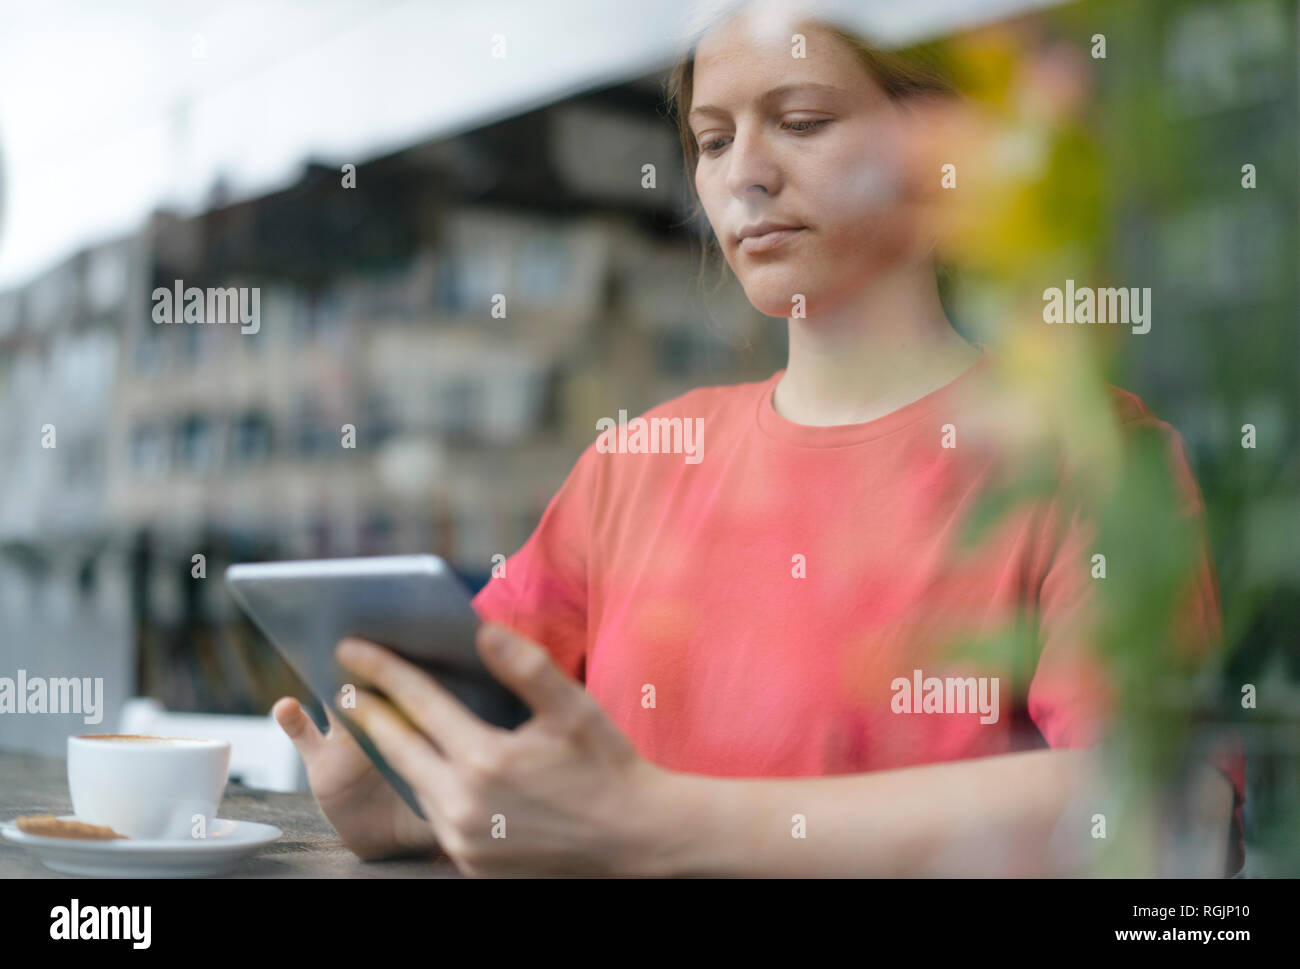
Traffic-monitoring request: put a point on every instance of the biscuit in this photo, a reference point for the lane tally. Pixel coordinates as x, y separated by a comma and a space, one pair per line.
50, 826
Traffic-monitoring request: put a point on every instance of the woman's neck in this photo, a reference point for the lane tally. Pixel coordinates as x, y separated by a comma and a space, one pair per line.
884, 347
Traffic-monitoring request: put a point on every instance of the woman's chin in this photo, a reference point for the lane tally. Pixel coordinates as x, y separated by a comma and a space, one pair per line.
780, 298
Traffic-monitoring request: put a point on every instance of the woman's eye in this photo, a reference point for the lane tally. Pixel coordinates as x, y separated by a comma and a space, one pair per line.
812, 125
715, 145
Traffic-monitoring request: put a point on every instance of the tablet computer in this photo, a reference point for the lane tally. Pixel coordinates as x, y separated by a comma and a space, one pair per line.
413, 604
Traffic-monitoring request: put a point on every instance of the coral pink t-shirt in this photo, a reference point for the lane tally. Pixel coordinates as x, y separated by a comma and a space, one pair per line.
772, 599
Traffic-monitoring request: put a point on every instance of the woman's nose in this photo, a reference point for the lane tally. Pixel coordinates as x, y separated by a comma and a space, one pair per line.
751, 167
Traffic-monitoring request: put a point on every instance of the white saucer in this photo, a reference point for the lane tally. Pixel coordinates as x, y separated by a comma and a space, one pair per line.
226, 844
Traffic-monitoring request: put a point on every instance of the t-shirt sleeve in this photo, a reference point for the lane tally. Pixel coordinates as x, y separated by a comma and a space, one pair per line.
541, 590
1070, 696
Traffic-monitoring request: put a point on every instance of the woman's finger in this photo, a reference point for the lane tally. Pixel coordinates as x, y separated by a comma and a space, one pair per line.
293, 720
425, 702
400, 743
528, 671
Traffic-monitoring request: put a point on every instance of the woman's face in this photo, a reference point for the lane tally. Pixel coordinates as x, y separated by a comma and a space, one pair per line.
795, 141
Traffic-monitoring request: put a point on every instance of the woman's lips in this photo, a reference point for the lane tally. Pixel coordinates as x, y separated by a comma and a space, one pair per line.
768, 240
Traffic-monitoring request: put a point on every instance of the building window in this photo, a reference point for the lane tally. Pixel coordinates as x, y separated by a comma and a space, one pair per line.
455, 414
83, 466
148, 449
196, 443
252, 444
148, 356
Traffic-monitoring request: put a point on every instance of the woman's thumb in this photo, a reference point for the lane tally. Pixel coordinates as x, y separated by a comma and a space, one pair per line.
293, 720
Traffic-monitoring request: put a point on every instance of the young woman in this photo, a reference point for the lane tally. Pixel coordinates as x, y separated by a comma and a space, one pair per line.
723, 654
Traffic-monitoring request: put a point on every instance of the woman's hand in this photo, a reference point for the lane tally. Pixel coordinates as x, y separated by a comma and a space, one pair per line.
370, 817
565, 793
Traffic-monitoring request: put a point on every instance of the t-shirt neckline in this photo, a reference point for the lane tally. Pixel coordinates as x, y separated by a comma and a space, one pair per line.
775, 426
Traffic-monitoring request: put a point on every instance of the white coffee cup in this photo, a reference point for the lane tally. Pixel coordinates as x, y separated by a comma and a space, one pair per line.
147, 787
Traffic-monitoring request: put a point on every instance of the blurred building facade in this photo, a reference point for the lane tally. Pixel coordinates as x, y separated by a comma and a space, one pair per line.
435, 343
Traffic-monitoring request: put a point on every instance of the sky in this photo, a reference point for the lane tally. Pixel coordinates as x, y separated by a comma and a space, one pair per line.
109, 111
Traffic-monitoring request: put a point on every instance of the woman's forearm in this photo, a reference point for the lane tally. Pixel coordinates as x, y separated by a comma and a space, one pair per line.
1023, 813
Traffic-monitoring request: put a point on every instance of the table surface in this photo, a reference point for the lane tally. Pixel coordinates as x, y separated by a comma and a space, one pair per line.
308, 848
